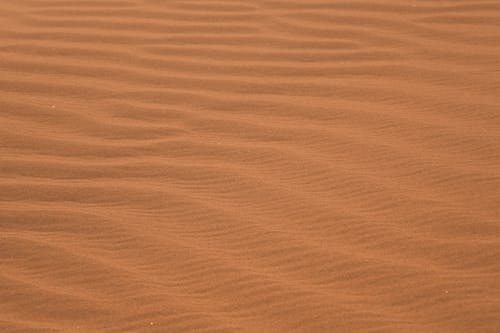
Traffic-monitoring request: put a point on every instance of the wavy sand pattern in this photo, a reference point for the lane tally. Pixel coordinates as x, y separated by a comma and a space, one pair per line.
249, 166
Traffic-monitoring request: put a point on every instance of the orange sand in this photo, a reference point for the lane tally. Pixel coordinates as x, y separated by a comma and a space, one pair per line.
249, 166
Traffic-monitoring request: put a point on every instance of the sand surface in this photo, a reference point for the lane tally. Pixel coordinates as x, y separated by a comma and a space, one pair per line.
249, 166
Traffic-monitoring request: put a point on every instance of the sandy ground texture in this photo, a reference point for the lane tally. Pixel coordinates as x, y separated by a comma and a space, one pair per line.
250, 166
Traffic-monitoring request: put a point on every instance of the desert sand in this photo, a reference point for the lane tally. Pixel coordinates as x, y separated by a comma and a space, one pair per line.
250, 166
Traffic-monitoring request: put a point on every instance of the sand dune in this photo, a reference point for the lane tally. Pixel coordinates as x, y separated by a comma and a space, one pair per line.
249, 166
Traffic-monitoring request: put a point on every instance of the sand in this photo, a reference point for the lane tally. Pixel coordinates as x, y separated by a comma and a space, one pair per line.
249, 166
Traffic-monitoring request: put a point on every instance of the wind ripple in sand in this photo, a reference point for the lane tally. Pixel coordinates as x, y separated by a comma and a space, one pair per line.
249, 166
